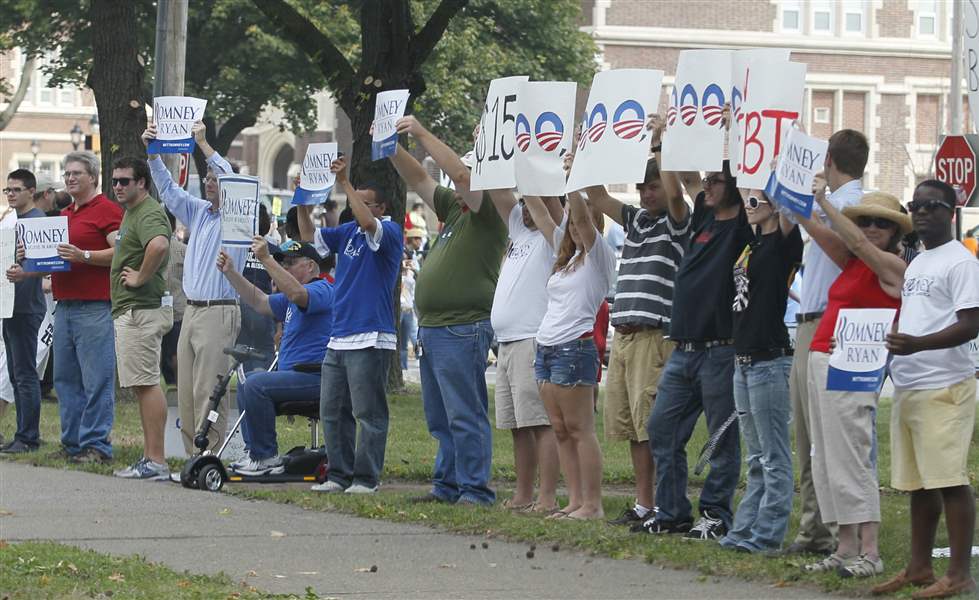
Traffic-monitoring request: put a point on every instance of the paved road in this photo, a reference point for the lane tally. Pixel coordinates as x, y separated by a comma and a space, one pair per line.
282, 548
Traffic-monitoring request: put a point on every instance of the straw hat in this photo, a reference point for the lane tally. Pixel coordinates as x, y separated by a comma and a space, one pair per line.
879, 204
416, 233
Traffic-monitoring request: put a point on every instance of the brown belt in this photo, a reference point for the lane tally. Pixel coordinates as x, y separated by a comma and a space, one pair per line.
628, 329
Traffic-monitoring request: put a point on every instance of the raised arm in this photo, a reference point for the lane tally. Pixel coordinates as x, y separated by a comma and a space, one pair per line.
542, 217
445, 158
249, 294
356, 199
504, 201
414, 175
304, 219
284, 281
581, 216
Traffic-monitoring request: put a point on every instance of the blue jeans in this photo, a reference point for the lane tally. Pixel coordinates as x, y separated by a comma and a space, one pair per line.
409, 332
761, 395
568, 364
20, 340
259, 396
694, 382
453, 373
352, 394
84, 368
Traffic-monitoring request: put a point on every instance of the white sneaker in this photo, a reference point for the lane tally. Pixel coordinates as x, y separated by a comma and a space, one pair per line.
361, 489
145, 468
266, 466
241, 462
329, 487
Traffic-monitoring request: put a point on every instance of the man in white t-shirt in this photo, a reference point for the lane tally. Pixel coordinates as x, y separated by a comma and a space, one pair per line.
934, 402
519, 304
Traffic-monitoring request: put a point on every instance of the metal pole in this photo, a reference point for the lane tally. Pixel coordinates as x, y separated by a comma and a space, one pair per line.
170, 57
955, 90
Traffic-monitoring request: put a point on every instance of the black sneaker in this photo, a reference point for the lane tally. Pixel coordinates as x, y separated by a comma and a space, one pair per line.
17, 447
90, 456
656, 526
428, 498
629, 517
709, 527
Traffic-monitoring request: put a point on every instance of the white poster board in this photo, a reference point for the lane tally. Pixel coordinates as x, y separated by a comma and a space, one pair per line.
41, 237
494, 148
316, 180
175, 117
801, 158
239, 209
858, 360
694, 138
8, 250
774, 94
739, 72
970, 47
389, 107
614, 143
544, 132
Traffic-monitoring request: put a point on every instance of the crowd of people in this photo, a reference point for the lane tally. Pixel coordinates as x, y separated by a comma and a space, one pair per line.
699, 297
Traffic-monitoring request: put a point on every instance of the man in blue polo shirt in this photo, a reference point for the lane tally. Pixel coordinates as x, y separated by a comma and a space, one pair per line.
368, 251
304, 306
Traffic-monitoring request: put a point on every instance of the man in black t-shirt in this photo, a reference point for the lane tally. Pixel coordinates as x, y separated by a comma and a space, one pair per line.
698, 376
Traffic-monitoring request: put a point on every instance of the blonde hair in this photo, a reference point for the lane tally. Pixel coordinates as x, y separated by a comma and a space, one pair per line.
568, 256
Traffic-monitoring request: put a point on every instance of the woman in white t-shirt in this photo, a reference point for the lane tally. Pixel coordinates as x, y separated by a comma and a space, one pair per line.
567, 360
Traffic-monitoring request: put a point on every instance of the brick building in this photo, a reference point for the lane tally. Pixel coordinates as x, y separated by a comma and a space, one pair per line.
879, 66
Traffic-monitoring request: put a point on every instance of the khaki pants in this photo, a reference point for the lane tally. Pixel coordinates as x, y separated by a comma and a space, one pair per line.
812, 532
634, 370
205, 333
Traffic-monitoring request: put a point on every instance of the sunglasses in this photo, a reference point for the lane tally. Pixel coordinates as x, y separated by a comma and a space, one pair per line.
123, 181
753, 202
9, 191
712, 179
928, 205
878, 222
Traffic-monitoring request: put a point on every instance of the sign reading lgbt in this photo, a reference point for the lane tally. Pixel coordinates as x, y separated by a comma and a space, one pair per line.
544, 131
790, 185
175, 117
239, 209
614, 143
389, 107
857, 362
316, 180
41, 237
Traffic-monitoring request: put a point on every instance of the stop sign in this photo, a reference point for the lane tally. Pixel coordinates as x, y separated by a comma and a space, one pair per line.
955, 164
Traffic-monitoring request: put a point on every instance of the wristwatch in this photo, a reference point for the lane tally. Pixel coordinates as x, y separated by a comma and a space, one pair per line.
87, 255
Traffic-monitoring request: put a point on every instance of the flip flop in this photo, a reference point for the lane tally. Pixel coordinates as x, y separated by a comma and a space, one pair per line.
558, 513
509, 505
538, 509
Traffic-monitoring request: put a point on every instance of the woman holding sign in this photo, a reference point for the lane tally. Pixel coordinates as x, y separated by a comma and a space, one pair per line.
865, 244
567, 360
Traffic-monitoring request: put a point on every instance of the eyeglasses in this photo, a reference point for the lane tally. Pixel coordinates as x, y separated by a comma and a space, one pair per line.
75, 174
10, 191
123, 181
878, 222
210, 179
712, 179
753, 202
928, 205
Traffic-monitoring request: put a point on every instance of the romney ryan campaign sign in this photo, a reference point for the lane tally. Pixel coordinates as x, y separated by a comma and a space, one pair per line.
175, 117
41, 237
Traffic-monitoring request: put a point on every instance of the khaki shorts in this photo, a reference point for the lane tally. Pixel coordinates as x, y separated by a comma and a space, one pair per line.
634, 369
931, 431
518, 402
139, 337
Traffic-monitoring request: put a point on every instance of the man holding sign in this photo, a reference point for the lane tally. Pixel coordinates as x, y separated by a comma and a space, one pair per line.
84, 360
20, 331
212, 319
934, 403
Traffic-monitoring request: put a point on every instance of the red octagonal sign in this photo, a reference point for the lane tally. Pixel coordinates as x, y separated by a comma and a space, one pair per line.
955, 164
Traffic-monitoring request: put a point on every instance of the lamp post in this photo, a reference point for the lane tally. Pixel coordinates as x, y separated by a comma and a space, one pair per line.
35, 150
76, 136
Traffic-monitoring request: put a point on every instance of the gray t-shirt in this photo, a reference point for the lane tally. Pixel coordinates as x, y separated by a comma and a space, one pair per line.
28, 296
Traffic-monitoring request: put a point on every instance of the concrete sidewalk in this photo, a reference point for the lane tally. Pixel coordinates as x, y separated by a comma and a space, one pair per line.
284, 549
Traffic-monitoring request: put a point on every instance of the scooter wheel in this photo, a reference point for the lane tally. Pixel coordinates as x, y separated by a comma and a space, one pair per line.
209, 478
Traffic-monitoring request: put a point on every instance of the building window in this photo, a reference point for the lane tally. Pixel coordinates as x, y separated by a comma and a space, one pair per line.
822, 16
853, 16
927, 12
791, 16
821, 115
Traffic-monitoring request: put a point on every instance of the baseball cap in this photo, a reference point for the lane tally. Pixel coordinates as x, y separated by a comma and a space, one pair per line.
295, 249
45, 183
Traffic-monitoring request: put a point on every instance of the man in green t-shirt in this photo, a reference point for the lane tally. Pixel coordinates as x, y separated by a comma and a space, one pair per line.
142, 309
454, 296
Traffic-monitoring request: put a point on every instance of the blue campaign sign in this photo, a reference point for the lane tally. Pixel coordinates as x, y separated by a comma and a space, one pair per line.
858, 361
41, 237
175, 117
389, 107
800, 159
783, 196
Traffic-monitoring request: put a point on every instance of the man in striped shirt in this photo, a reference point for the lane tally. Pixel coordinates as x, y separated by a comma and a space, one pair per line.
655, 235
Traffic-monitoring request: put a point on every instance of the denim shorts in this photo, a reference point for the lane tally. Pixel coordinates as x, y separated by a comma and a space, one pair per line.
568, 364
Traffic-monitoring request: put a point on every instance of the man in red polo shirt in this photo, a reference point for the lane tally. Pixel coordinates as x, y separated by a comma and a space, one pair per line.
84, 341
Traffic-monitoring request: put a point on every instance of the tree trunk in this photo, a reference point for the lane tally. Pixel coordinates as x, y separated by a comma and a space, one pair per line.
116, 79
25, 82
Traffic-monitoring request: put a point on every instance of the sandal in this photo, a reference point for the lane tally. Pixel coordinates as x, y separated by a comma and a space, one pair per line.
828, 564
509, 505
536, 508
863, 566
558, 513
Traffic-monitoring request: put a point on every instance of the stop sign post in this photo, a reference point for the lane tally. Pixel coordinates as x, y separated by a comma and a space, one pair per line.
955, 163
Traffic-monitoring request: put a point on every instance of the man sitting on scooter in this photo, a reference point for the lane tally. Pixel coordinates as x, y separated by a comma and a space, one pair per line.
304, 305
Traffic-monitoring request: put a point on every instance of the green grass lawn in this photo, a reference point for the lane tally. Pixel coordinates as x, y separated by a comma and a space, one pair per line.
409, 459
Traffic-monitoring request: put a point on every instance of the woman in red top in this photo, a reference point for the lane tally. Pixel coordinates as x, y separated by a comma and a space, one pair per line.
864, 243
